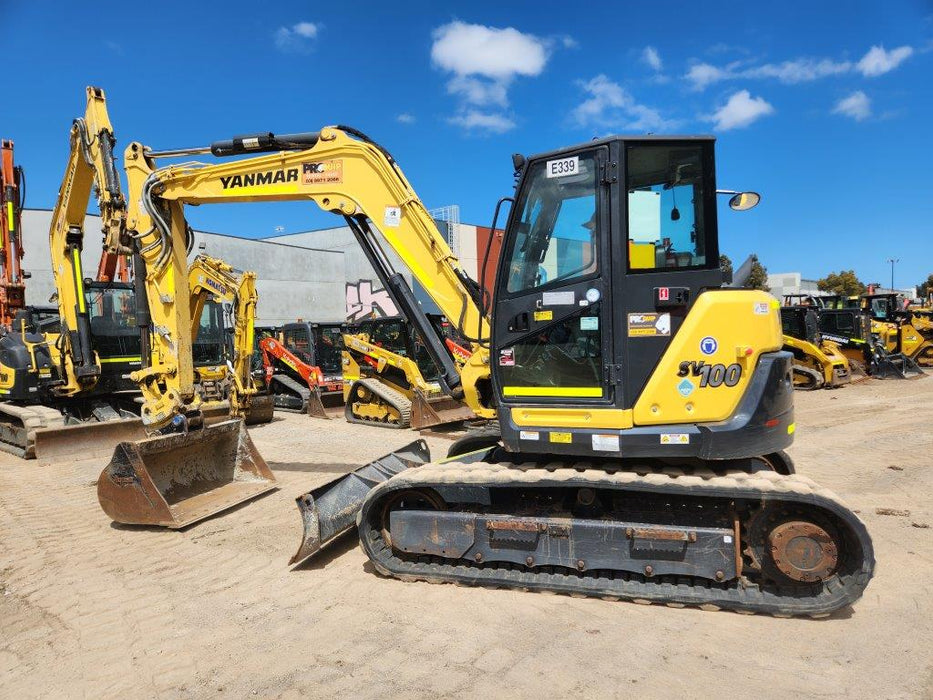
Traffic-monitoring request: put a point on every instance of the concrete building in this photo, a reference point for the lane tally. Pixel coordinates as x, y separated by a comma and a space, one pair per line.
782, 283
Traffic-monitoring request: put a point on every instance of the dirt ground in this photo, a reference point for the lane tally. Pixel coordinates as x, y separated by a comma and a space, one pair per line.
91, 609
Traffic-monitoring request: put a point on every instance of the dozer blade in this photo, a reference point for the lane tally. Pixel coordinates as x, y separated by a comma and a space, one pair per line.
175, 480
426, 413
330, 510
88, 440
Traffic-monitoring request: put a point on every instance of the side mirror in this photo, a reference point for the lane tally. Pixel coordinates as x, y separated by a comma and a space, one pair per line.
743, 201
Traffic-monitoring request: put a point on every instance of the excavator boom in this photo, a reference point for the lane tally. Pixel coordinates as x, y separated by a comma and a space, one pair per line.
12, 197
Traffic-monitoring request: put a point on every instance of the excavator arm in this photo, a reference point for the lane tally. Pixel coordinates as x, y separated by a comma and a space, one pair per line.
343, 172
90, 167
211, 277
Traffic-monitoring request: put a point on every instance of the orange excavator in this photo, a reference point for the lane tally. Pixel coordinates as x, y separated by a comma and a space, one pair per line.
13, 185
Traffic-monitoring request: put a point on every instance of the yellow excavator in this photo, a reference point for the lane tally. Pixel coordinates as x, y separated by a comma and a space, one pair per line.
67, 393
389, 379
226, 387
643, 411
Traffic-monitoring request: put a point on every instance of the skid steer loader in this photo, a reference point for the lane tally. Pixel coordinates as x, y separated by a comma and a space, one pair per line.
818, 363
390, 379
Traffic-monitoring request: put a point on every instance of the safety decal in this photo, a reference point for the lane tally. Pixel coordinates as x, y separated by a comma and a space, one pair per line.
326, 171
589, 323
393, 217
529, 435
709, 345
761, 308
507, 357
675, 439
558, 299
685, 388
710, 375
561, 437
544, 315
606, 443
649, 325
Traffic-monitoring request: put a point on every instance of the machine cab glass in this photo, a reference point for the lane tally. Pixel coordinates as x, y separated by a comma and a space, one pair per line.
666, 195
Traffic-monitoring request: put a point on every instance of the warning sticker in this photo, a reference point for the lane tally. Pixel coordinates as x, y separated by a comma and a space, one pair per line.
561, 437
648, 325
675, 438
606, 443
544, 315
558, 299
507, 357
393, 217
529, 435
324, 171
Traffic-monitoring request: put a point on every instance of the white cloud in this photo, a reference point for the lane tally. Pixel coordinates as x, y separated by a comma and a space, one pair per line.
479, 92
652, 58
878, 61
703, 74
801, 70
484, 62
499, 54
857, 106
405, 118
609, 106
568, 42
474, 120
297, 38
740, 111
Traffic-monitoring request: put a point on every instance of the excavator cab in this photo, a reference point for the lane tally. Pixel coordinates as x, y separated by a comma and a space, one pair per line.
114, 334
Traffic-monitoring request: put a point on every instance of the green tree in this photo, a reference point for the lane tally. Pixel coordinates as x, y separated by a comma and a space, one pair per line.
758, 277
925, 288
725, 264
844, 283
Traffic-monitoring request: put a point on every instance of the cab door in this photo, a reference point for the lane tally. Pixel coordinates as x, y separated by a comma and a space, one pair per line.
551, 342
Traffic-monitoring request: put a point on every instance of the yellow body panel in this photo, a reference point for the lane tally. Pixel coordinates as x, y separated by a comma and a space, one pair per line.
616, 418
744, 323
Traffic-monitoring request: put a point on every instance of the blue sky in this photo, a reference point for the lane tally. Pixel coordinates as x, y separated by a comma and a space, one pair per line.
824, 108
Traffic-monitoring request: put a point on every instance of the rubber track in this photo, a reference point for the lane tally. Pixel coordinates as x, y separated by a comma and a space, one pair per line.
392, 397
300, 389
32, 418
676, 591
816, 379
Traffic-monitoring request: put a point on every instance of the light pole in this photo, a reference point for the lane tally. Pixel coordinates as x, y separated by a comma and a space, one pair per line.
892, 261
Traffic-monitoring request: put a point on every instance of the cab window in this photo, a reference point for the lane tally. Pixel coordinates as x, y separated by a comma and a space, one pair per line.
557, 237
666, 200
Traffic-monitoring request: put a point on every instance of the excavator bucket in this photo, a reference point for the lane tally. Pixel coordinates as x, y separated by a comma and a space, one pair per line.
176, 480
426, 413
85, 441
261, 409
330, 510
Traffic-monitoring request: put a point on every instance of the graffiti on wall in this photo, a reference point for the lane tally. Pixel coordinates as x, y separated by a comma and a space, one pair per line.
365, 302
